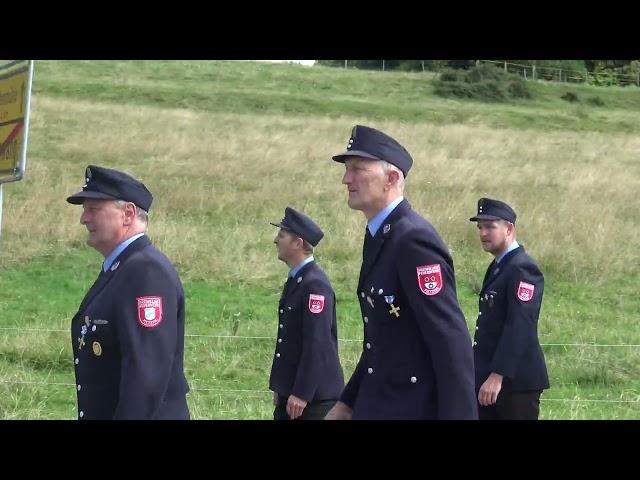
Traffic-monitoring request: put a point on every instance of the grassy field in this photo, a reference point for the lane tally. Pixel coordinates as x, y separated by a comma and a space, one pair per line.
225, 146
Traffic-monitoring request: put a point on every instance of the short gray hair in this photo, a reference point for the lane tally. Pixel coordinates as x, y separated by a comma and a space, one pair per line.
387, 167
141, 214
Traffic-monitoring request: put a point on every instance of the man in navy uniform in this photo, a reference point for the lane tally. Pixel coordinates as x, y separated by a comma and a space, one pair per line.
306, 376
128, 334
417, 360
510, 368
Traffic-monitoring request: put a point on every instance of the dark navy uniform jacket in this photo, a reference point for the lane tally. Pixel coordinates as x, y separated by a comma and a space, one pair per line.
306, 362
128, 340
506, 338
417, 360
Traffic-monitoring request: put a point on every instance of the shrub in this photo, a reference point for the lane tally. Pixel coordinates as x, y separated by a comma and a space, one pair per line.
571, 97
484, 82
517, 88
595, 101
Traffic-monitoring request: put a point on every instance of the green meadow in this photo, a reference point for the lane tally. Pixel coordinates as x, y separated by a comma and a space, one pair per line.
225, 146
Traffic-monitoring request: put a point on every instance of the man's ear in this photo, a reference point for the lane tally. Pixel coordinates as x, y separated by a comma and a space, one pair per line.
510, 228
129, 213
393, 177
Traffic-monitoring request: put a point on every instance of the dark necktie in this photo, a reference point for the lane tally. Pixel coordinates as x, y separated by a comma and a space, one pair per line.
368, 239
286, 286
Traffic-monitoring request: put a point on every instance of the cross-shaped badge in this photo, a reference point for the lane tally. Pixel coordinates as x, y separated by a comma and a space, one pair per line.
394, 310
83, 331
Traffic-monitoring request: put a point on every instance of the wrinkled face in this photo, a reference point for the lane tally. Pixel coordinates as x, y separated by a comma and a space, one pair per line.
365, 180
286, 244
495, 235
105, 223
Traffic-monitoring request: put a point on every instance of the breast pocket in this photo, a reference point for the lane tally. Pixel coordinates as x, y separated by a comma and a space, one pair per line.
101, 338
387, 300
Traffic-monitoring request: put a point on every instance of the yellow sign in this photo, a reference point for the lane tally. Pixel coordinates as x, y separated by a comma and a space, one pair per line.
13, 90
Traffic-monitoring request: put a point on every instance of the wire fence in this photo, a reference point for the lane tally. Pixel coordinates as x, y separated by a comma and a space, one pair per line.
558, 74
260, 393
266, 337
602, 77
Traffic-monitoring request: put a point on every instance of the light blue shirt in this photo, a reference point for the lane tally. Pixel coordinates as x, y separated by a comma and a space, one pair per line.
118, 250
511, 247
374, 224
294, 271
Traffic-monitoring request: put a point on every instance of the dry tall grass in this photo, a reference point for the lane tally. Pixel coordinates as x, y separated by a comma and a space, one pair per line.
219, 179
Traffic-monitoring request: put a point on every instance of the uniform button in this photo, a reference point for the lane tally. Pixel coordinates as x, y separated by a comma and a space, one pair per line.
366, 320
279, 340
288, 308
368, 346
477, 327
81, 414
281, 311
475, 343
280, 325
370, 370
278, 355
481, 299
79, 387
362, 294
93, 329
479, 313
77, 360
414, 379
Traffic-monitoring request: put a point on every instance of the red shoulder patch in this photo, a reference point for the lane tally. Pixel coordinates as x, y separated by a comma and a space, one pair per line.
316, 303
149, 311
430, 279
525, 291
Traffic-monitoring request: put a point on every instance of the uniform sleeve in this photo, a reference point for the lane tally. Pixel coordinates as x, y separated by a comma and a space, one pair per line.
524, 298
442, 325
147, 326
317, 317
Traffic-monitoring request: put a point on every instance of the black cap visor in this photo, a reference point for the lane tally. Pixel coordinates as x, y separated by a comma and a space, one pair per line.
483, 216
78, 198
354, 153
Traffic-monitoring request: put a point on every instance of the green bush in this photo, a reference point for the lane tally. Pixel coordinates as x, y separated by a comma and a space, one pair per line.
485, 71
489, 90
453, 89
571, 97
483, 82
451, 75
595, 101
517, 88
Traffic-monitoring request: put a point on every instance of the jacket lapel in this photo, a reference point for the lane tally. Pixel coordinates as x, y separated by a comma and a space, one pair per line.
293, 286
104, 278
373, 247
494, 271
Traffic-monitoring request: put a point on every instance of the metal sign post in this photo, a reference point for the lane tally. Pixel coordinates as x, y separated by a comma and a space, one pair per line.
16, 77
